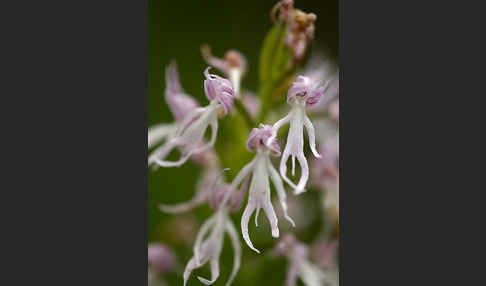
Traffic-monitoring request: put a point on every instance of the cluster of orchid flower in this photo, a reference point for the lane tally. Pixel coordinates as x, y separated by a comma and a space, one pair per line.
314, 91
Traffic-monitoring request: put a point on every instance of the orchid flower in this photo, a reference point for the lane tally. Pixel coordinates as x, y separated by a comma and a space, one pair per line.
233, 65
209, 249
180, 104
304, 92
299, 266
190, 131
262, 170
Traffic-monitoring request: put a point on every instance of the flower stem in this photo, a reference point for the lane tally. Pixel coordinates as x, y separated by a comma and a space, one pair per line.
246, 115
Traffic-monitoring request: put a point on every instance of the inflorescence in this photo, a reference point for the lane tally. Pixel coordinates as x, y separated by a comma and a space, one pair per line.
308, 93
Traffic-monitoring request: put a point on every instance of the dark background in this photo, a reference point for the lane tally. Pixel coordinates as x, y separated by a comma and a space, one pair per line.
176, 30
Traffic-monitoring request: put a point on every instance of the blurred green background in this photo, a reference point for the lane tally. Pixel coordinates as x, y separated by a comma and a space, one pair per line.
176, 30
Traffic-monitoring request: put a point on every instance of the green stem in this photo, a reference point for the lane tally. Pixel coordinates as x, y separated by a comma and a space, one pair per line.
246, 115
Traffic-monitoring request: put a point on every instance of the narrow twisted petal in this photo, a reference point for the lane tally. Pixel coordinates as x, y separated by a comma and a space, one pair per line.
191, 138
304, 175
199, 238
277, 182
312, 136
191, 265
212, 141
178, 163
214, 272
158, 133
235, 241
200, 197
272, 217
300, 187
245, 218
161, 152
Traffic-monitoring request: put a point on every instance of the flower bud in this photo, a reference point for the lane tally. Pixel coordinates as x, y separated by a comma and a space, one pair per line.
300, 32
161, 257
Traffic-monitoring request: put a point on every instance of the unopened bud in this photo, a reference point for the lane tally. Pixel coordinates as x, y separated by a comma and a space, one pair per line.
161, 257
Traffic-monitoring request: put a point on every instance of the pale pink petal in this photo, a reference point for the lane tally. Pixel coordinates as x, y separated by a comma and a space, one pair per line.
235, 241
312, 136
200, 236
277, 182
272, 217
250, 207
304, 175
214, 272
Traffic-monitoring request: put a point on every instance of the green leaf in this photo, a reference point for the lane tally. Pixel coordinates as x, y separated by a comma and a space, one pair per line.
280, 63
271, 44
